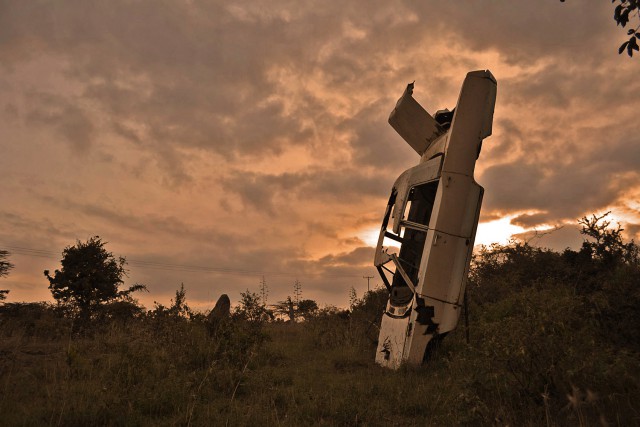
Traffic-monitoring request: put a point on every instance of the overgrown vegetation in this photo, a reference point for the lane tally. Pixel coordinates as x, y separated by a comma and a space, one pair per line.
553, 341
558, 331
165, 366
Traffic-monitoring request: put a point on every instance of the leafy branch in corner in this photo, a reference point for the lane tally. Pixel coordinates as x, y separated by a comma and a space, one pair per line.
621, 16
624, 11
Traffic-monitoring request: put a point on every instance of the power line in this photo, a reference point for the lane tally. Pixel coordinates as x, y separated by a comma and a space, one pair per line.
154, 265
30, 252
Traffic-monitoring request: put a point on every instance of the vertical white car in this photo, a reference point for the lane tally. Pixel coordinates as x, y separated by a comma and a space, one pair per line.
429, 226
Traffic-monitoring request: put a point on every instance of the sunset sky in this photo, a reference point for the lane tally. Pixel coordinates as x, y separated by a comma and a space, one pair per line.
212, 143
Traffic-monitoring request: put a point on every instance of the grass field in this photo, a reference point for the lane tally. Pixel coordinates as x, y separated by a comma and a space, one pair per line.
179, 372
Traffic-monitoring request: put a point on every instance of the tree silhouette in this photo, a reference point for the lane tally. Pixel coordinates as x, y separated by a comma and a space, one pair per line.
89, 277
307, 308
251, 309
285, 308
607, 245
5, 266
621, 16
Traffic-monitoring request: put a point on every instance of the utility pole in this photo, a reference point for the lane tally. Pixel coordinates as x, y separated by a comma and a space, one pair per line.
368, 278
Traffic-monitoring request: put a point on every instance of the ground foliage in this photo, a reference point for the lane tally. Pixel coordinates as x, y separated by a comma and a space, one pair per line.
553, 341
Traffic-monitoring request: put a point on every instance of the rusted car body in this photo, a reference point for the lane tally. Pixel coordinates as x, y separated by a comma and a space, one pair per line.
428, 231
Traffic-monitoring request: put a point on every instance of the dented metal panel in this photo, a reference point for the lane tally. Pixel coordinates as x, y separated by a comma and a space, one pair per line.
420, 174
432, 215
413, 123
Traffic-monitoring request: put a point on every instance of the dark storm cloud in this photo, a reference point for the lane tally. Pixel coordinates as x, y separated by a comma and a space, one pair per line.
564, 192
374, 141
271, 193
558, 116
201, 75
126, 132
28, 229
619, 148
530, 220
169, 160
506, 143
191, 77
145, 224
207, 84
551, 87
633, 231
334, 268
486, 215
525, 32
567, 146
559, 90
359, 256
11, 111
64, 117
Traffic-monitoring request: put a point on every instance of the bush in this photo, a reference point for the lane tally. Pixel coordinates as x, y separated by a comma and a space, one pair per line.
38, 319
557, 329
357, 327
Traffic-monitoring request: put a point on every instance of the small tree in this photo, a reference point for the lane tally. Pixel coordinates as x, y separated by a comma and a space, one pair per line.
353, 297
307, 308
5, 266
89, 277
179, 307
250, 308
285, 309
607, 245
